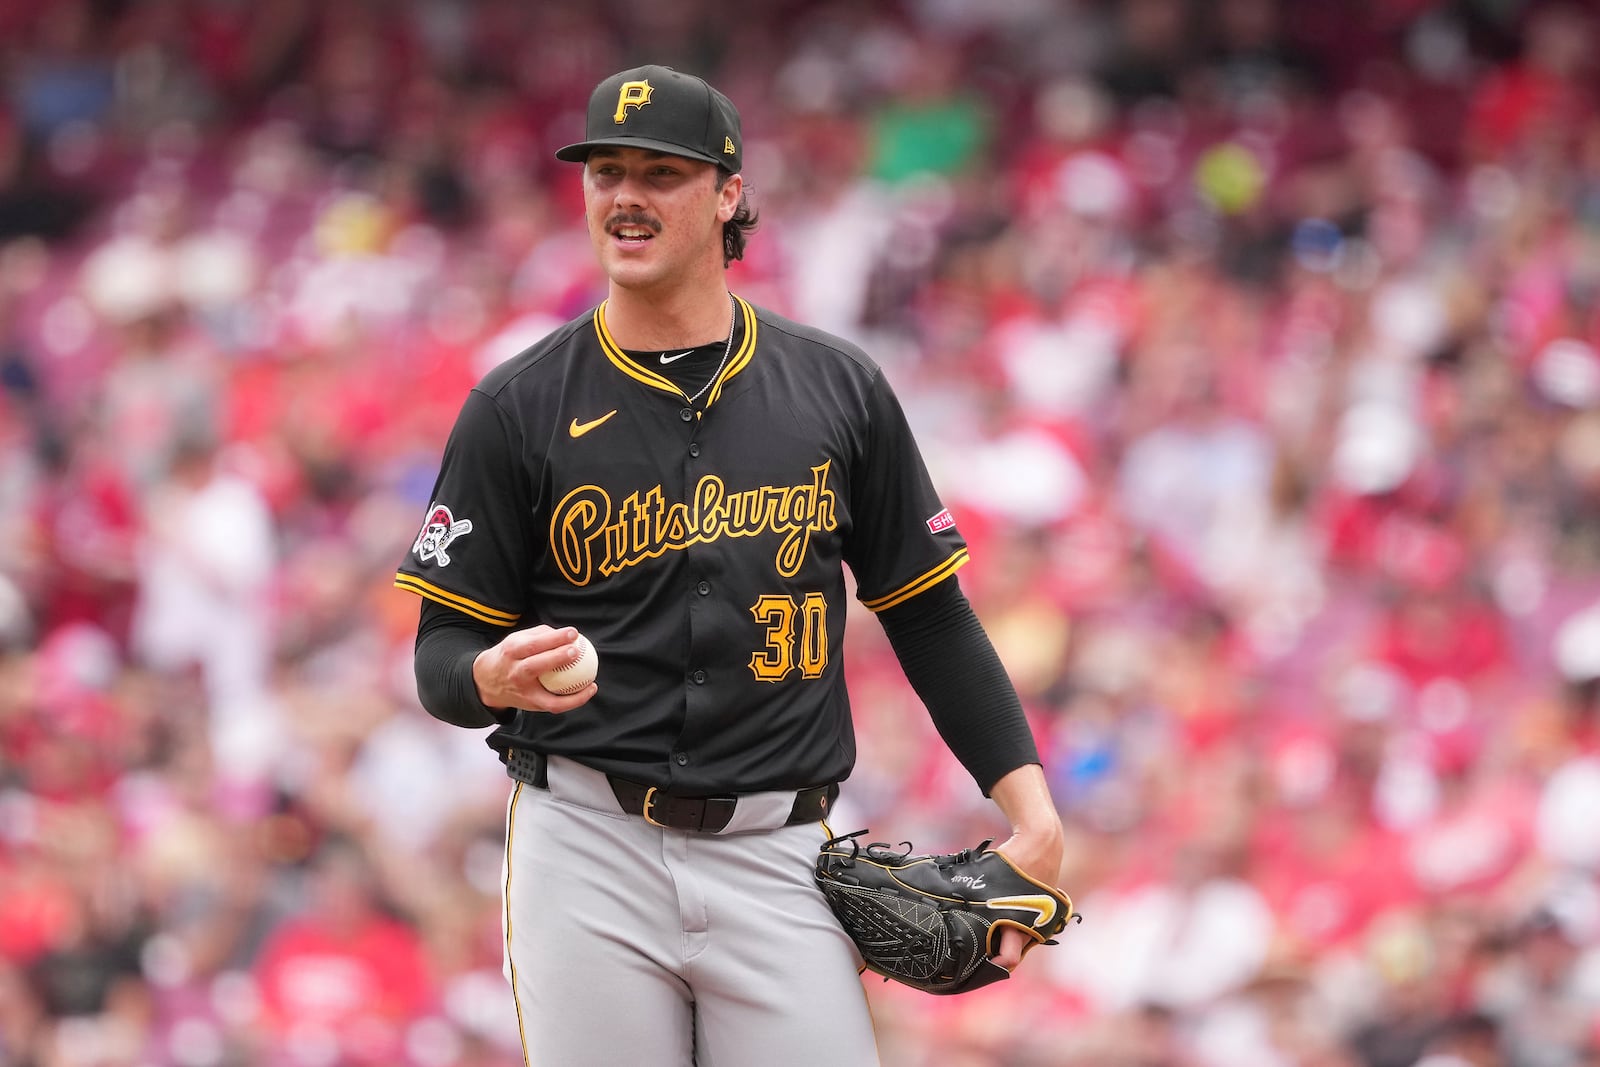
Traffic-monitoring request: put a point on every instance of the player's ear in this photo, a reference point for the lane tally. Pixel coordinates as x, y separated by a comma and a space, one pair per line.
731, 190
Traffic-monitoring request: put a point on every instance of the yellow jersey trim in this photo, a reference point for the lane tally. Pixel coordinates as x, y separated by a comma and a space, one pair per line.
482, 612
741, 359
619, 359
920, 584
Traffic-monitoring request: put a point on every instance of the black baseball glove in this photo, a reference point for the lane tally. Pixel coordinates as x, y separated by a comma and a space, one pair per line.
933, 922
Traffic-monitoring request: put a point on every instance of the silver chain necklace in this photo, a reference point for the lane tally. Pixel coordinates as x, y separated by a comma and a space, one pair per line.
727, 350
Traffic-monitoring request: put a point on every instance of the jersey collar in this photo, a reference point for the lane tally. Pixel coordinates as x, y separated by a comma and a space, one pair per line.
738, 362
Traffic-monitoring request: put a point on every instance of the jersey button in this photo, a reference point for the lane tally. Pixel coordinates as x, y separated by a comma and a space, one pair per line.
694, 448
680, 758
687, 414
699, 677
704, 589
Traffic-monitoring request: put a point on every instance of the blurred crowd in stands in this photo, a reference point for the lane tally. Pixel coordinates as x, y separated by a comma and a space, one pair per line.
1253, 344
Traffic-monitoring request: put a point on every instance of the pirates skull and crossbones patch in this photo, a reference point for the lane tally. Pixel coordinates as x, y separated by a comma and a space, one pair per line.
437, 534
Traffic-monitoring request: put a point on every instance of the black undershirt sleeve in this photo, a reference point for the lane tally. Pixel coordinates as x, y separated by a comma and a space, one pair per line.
951, 663
447, 643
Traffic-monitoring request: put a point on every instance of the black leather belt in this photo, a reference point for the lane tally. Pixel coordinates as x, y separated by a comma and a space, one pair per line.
661, 808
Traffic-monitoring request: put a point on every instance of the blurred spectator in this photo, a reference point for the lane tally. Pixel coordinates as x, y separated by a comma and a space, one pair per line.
1197, 478
1540, 996
1325, 867
1184, 938
1527, 112
1152, 51
84, 536
1465, 1041
33, 200
206, 603
65, 77
931, 126
340, 976
1410, 1009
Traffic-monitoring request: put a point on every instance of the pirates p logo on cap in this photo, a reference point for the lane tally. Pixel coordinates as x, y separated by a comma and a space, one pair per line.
658, 109
631, 94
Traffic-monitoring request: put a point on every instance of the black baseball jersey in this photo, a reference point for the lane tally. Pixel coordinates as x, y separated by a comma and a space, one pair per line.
698, 545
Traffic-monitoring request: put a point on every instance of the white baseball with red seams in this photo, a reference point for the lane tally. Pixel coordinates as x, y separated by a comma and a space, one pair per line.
575, 675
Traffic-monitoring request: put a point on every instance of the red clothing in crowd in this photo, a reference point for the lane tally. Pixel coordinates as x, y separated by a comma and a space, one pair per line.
1328, 872
360, 984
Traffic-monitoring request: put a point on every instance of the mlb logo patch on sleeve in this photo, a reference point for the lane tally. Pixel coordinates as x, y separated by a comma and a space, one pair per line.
942, 522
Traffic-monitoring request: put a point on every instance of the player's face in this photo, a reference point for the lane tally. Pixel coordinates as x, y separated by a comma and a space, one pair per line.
655, 219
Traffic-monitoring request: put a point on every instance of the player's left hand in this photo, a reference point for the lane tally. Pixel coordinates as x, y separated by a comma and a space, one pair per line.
931, 921
1037, 844
1038, 854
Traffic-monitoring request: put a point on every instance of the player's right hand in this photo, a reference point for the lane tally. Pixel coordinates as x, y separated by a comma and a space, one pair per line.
507, 674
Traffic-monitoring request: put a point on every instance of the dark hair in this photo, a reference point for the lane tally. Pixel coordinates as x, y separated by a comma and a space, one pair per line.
737, 230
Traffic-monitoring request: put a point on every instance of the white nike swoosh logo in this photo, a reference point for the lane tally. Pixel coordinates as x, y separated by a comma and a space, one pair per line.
673, 359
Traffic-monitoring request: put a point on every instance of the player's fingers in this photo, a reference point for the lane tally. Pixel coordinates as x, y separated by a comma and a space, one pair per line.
524, 671
535, 697
1012, 943
559, 703
537, 640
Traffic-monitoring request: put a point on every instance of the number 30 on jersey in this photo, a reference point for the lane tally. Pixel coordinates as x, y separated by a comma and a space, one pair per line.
797, 636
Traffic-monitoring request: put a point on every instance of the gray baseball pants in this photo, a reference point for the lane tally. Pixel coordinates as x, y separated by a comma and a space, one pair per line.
633, 944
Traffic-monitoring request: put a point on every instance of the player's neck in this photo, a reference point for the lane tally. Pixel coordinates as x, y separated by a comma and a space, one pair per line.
643, 321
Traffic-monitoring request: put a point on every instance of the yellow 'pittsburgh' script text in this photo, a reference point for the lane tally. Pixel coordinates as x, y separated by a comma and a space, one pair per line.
588, 536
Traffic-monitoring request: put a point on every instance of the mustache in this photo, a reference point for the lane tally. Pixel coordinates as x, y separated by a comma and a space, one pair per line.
624, 218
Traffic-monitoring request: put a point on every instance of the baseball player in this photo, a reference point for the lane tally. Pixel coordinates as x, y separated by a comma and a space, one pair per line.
681, 477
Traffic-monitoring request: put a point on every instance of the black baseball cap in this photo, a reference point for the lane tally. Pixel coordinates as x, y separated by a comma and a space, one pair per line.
663, 110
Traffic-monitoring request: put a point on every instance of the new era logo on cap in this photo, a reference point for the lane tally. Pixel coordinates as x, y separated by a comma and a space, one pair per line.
662, 110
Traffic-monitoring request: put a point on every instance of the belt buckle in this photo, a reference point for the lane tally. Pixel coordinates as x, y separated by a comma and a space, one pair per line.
649, 801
